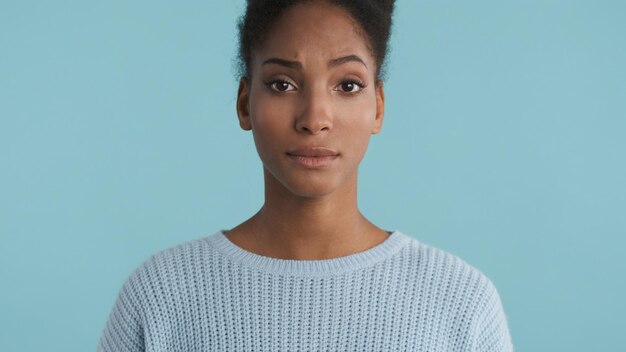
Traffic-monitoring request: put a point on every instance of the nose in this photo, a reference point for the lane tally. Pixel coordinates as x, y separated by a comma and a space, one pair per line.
315, 115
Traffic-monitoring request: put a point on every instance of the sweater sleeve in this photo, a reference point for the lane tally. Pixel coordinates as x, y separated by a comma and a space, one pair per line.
124, 330
490, 327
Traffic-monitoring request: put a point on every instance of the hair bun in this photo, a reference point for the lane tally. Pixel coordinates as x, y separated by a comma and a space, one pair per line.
385, 5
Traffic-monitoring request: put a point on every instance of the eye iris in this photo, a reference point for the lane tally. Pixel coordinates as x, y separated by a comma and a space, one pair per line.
282, 86
348, 86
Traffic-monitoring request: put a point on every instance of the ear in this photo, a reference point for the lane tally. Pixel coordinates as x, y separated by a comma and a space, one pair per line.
380, 107
243, 104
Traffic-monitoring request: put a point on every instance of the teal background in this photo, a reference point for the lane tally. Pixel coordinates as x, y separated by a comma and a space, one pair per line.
503, 143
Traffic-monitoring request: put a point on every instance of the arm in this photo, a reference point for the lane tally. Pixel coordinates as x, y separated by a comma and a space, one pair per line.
124, 330
490, 327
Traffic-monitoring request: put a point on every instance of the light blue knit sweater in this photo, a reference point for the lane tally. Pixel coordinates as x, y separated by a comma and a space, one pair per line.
209, 294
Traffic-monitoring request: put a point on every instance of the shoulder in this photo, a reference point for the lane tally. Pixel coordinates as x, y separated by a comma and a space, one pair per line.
439, 264
447, 278
165, 279
173, 266
178, 258
462, 292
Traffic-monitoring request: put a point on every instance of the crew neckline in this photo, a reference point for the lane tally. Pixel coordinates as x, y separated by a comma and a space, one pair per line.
321, 267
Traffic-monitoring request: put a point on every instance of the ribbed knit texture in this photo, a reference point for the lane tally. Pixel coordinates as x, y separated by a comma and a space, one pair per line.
209, 294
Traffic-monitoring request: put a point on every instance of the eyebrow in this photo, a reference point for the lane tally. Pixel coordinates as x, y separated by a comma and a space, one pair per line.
344, 59
297, 65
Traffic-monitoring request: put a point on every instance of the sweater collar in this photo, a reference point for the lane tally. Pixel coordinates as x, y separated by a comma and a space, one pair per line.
323, 267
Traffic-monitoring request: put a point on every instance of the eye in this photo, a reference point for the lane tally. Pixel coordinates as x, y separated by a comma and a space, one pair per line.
351, 86
281, 86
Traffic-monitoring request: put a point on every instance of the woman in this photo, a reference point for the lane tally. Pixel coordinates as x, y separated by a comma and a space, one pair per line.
308, 271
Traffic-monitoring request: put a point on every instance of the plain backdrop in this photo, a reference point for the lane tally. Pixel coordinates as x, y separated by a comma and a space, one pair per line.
503, 143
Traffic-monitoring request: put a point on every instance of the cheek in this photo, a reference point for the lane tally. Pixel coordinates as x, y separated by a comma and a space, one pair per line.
358, 122
270, 124
268, 112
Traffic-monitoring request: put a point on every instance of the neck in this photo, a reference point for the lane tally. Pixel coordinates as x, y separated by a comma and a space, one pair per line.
290, 226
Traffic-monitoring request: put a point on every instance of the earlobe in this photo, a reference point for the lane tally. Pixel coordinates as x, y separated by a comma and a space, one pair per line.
380, 108
243, 100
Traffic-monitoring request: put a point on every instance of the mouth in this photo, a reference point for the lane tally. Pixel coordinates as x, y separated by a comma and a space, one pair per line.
313, 157
313, 161
313, 152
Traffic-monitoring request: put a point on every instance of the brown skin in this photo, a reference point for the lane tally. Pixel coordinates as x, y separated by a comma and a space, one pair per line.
310, 214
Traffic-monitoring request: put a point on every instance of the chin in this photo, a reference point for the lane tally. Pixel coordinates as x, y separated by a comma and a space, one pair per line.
305, 183
307, 186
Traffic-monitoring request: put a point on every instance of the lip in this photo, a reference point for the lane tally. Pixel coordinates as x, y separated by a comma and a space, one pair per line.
313, 157
313, 151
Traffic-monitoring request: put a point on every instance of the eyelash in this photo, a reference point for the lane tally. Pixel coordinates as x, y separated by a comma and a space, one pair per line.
359, 83
270, 85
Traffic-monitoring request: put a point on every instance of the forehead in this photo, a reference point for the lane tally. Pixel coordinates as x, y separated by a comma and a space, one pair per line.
314, 30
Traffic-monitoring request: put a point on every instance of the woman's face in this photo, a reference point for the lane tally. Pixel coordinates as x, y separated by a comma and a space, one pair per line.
312, 85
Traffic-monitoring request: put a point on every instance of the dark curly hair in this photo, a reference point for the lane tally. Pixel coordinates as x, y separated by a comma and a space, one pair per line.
374, 17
